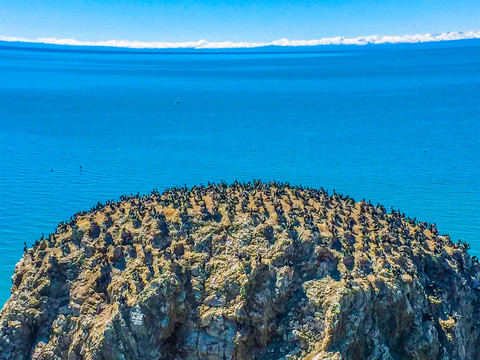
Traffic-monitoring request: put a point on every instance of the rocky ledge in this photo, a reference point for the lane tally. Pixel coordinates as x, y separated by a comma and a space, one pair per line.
243, 271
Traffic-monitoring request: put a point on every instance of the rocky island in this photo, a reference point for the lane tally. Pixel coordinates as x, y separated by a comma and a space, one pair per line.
243, 271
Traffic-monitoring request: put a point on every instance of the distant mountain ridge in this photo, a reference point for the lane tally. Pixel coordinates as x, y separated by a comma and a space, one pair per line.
204, 44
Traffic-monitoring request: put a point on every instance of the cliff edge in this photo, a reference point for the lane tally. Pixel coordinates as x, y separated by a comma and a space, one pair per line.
243, 271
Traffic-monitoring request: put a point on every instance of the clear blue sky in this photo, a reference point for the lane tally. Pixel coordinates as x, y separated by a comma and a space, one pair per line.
246, 20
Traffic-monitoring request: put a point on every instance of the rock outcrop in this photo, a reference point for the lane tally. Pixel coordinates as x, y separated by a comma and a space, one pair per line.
243, 271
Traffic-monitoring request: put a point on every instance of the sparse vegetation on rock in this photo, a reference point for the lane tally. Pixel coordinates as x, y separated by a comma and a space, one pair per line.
243, 271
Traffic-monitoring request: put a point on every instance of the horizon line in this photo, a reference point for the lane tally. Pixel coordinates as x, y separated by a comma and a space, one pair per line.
284, 42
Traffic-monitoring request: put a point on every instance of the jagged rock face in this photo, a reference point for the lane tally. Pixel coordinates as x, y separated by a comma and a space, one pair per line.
252, 271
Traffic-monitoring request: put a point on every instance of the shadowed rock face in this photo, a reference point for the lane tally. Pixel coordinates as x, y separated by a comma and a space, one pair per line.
246, 271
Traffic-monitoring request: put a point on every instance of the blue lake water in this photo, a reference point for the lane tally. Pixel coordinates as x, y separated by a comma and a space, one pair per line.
397, 124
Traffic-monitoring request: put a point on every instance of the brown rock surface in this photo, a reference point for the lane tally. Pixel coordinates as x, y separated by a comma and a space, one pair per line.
245, 271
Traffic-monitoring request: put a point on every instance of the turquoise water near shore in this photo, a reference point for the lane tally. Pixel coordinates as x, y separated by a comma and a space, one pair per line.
397, 124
